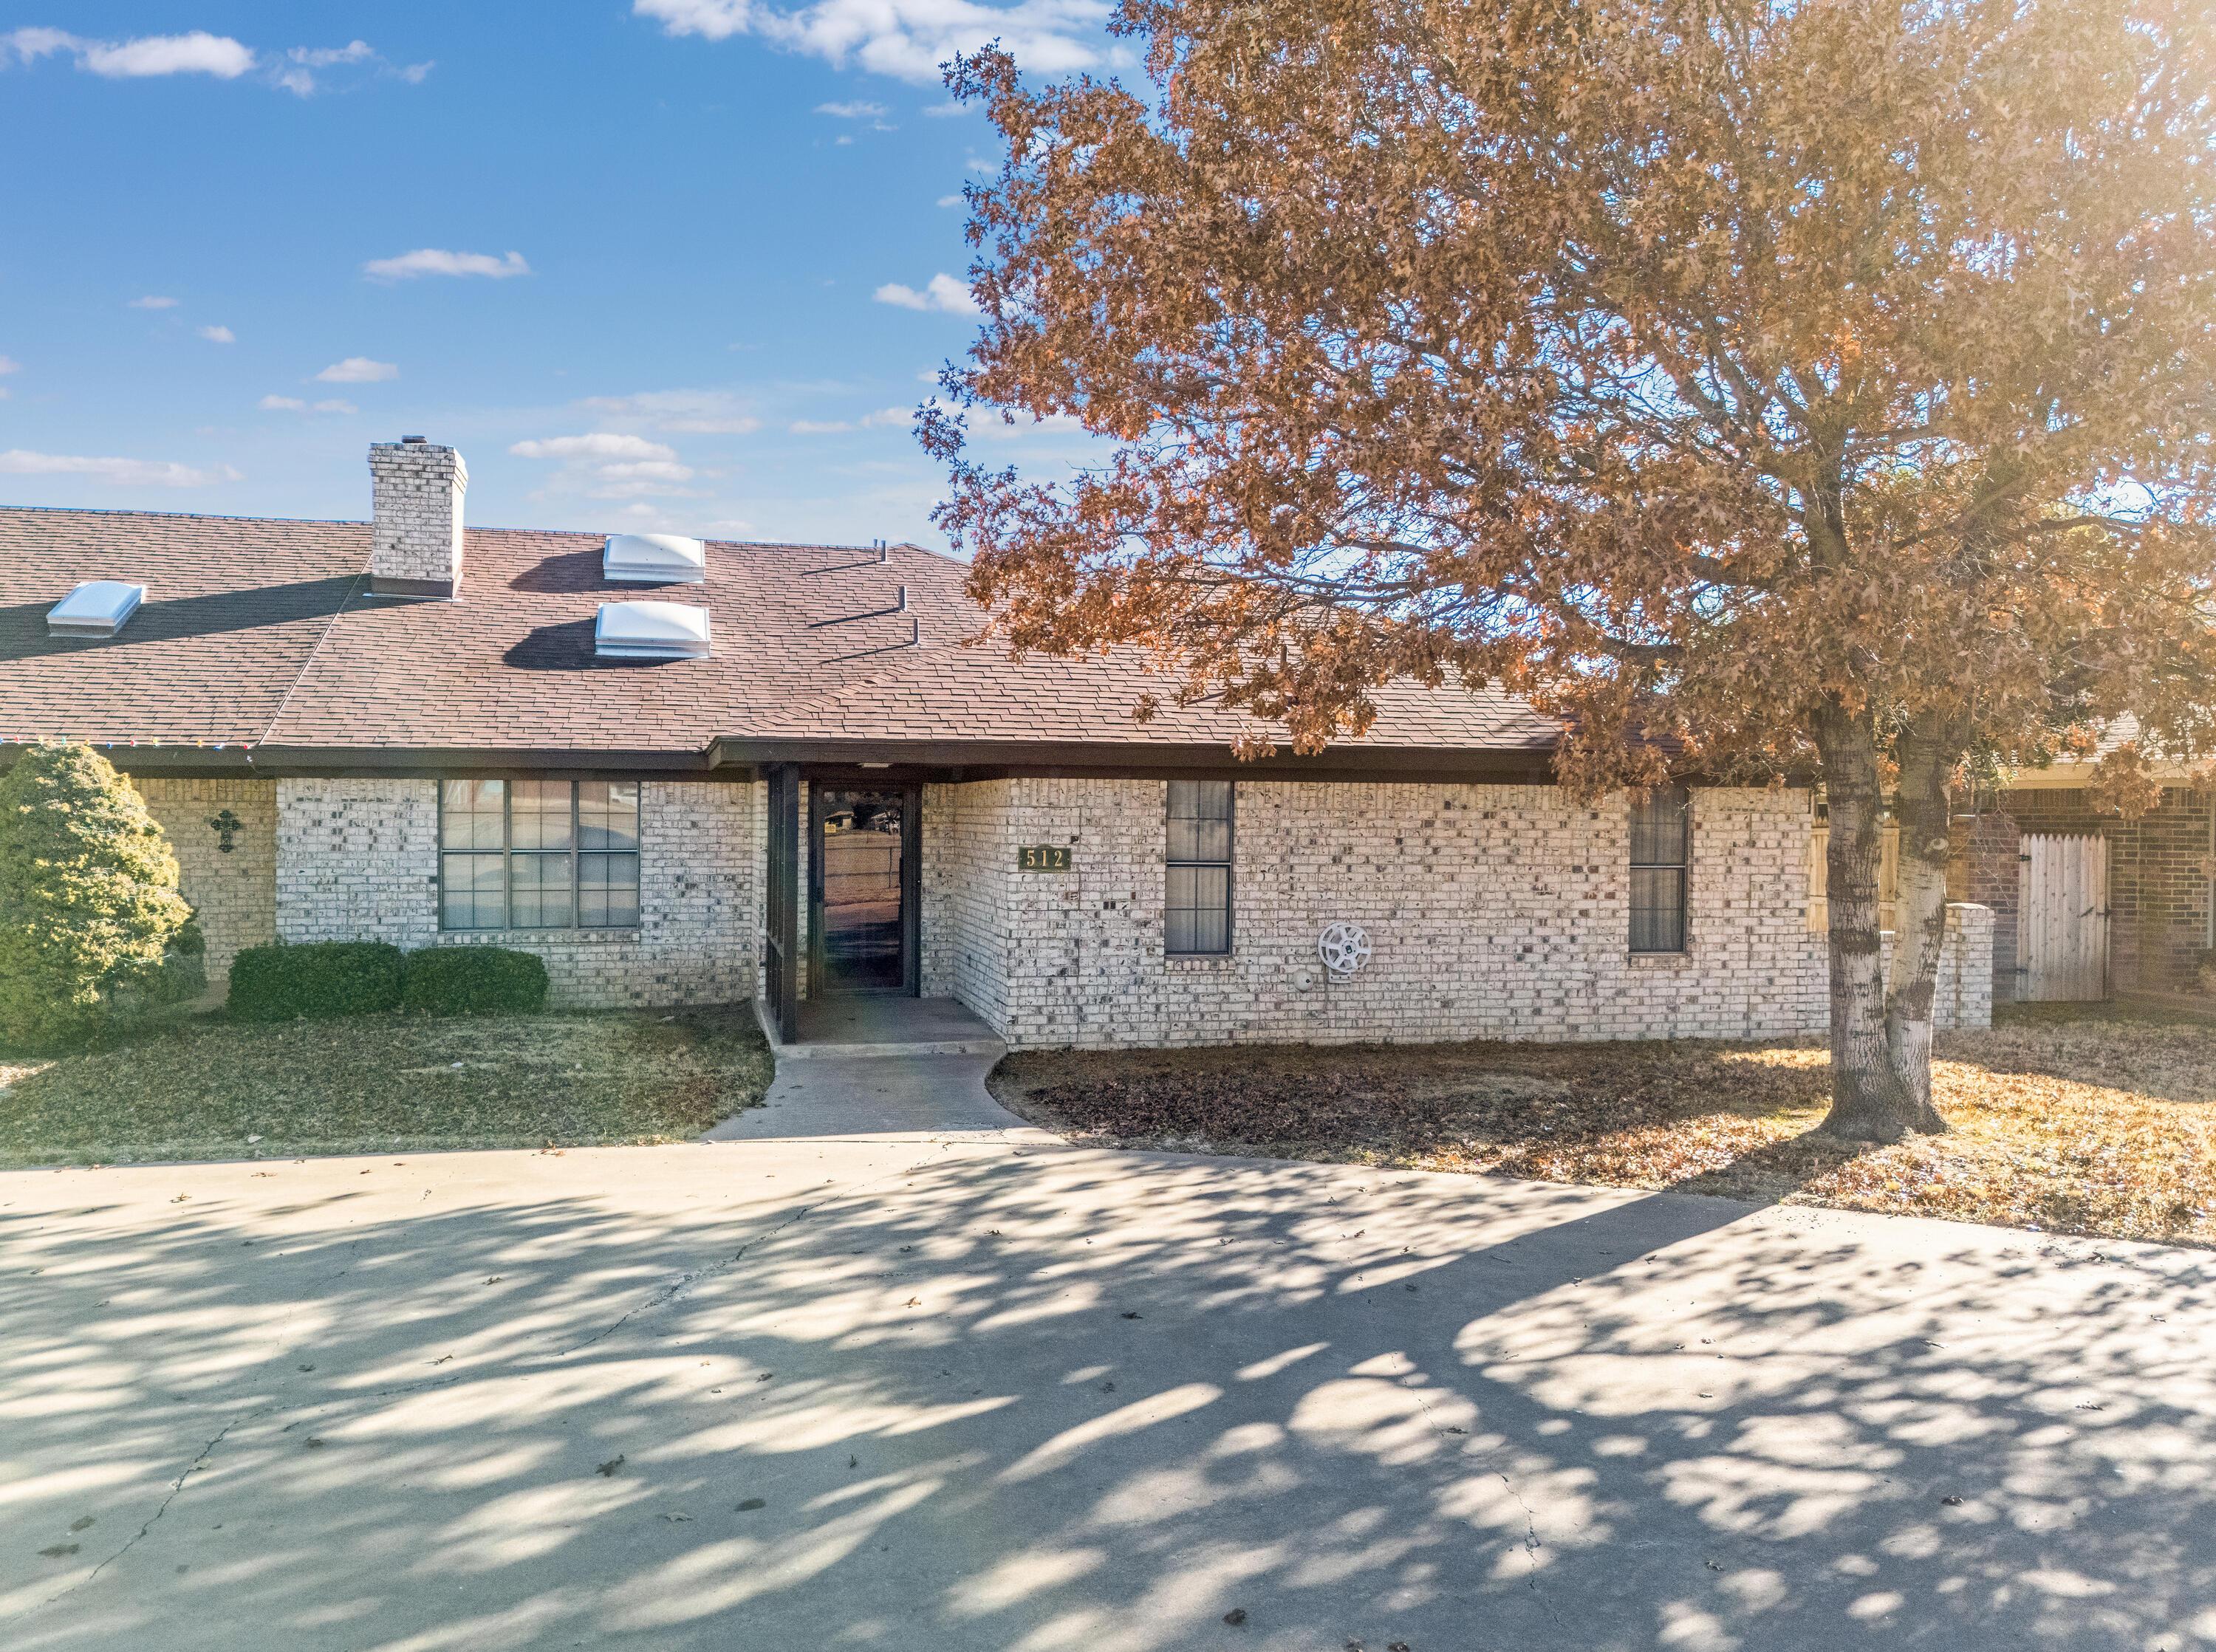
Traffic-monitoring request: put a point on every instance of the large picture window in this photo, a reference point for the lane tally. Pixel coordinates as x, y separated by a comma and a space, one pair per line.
1661, 849
537, 854
1197, 917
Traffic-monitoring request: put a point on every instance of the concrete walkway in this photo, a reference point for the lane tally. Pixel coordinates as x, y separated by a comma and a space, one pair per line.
907, 1068
876, 1394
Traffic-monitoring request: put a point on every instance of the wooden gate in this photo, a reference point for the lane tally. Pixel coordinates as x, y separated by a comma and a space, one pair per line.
2062, 917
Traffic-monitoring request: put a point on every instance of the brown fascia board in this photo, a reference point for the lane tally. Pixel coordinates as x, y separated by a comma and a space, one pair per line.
991, 759
329, 762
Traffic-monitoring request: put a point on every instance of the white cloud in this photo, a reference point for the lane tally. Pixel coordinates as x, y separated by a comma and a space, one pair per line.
294, 405
324, 56
30, 45
941, 111
644, 470
122, 473
877, 420
909, 39
941, 293
852, 111
152, 301
599, 445
358, 370
704, 413
992, 429
9, 364
433, 260
612, 464
298, 71
952, 200
197, 53
218, 335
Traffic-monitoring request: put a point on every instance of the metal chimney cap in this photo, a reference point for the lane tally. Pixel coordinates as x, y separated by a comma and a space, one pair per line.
415, 441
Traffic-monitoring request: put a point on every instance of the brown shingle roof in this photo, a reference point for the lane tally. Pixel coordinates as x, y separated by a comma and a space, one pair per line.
233, 607
262, 631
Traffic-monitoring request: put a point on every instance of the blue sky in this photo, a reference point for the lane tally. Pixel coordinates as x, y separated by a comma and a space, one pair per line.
681, 265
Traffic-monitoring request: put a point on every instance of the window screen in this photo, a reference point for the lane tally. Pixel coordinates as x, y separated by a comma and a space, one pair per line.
1196, 916
1661, 850
537, 854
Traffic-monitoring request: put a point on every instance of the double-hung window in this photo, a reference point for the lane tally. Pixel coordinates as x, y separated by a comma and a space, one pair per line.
1197, 915
1661, 851
537, 854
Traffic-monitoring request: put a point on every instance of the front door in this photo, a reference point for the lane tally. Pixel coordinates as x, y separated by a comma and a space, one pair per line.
861, 870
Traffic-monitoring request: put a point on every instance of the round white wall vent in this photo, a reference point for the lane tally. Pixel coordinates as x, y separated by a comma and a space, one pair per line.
1344, 948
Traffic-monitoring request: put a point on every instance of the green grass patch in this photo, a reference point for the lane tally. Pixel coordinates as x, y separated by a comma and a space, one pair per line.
205, 1088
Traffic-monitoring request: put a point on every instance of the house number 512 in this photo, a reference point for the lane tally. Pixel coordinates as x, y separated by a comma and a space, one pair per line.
1043, 857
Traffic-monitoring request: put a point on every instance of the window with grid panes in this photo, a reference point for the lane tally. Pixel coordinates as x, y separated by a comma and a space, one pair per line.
1197, 914
1661, 851
537, 854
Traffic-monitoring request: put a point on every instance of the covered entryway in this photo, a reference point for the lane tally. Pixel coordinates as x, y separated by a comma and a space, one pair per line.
862, 872
2062, 917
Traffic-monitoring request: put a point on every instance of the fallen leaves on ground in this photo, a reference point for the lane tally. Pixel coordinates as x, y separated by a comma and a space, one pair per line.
2092, 1123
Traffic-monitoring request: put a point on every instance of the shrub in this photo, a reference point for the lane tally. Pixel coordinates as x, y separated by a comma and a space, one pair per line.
320, 979
89, 901
474, 981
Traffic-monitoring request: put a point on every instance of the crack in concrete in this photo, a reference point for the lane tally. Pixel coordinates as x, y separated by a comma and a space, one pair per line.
176, 1487
1531, 1547
684, 1283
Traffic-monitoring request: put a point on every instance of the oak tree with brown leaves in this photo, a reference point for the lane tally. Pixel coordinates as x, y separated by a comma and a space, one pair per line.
1816, 389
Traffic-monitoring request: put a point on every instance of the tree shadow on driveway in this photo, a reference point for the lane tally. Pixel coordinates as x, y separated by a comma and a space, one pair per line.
893, 1395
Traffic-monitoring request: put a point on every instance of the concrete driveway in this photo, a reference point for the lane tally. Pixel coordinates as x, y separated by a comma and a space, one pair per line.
898, 1393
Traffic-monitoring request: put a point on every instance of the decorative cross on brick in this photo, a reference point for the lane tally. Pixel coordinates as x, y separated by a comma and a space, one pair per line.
227, 825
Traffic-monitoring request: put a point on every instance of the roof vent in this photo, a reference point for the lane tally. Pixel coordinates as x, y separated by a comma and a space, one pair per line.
650, 630
97, 608
654, 559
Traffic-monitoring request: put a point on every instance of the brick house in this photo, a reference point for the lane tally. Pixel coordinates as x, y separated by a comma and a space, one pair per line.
687, 773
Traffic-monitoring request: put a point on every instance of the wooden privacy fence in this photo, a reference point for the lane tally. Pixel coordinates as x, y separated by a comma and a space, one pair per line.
1888, 876
2062, 916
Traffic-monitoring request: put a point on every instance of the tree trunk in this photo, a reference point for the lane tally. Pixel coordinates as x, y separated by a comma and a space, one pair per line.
1876, 1038
1919, 917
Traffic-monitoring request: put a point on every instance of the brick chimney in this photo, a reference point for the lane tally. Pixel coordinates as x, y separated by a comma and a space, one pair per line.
415, 518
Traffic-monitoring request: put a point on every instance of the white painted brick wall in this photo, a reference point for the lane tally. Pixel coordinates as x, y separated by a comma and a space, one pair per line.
1495, 911
357, 859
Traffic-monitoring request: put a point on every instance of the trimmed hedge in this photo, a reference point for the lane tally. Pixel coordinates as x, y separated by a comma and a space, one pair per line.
467, 980
322, 978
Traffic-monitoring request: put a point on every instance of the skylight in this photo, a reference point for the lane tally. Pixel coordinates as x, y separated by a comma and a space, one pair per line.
650, 630
654, 559
97, 608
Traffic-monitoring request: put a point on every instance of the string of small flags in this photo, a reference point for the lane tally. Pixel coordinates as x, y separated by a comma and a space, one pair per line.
245, 746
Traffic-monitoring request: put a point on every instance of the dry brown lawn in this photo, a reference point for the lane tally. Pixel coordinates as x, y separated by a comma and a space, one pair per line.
2092, 1122
210, 1088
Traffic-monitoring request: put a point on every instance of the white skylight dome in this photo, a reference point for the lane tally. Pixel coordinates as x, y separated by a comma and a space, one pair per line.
650, 630
654, 559
97, 608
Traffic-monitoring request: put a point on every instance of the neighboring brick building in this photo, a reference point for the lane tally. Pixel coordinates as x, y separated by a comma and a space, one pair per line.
403, 731
2158, 869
